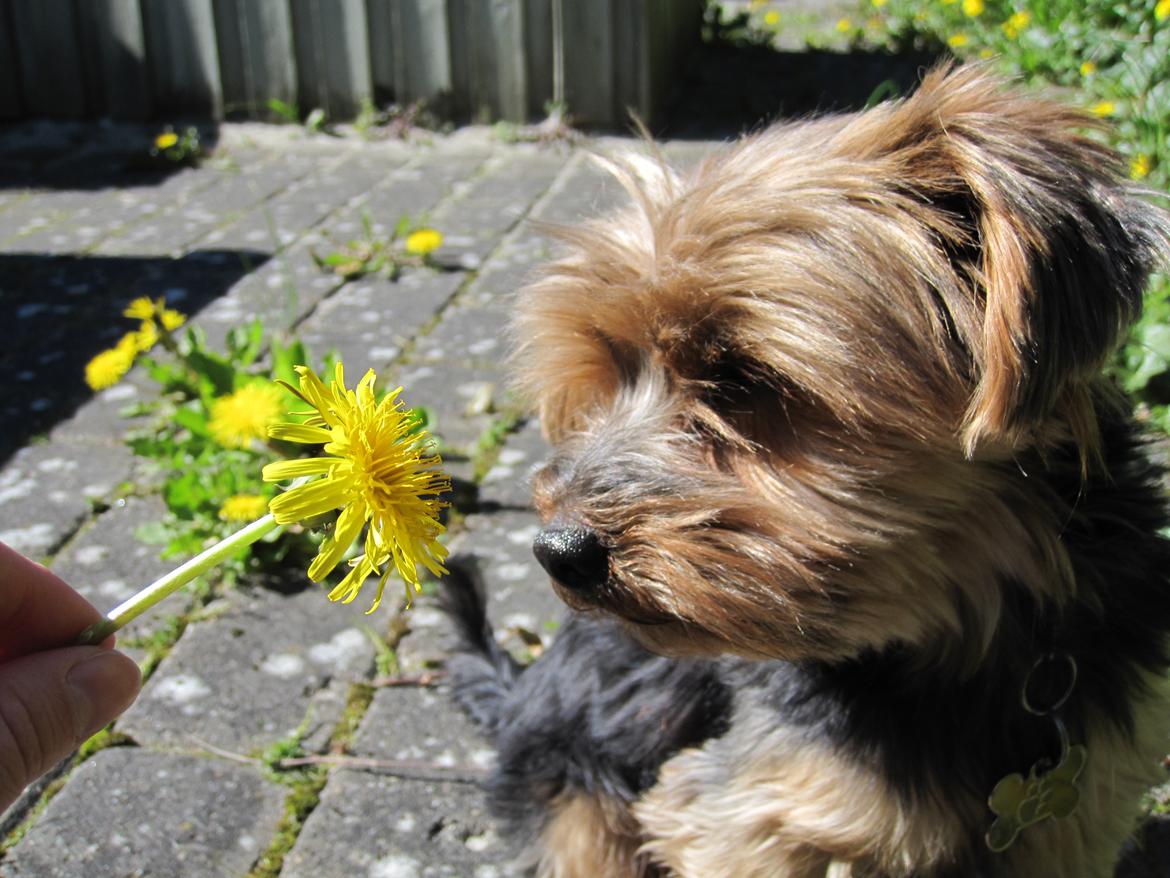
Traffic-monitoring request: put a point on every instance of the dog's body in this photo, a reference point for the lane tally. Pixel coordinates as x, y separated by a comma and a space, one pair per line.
852, 526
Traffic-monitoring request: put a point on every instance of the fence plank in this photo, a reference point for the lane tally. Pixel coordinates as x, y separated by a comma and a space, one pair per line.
180, 39
539, 49
587, 38
10, 103
422, 51
332, 55
49, 58
255, 56
114, 55
488, 38
383, 48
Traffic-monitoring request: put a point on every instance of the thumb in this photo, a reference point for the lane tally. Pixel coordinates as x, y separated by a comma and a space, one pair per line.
50, 702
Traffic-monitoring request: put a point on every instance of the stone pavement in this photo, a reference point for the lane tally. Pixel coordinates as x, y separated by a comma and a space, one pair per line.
181, 790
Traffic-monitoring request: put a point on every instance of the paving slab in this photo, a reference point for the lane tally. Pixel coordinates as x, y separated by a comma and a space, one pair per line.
244, 678
130, 812
378, 824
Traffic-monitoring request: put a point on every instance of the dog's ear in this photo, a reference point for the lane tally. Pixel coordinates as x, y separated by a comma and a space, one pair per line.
1060, 250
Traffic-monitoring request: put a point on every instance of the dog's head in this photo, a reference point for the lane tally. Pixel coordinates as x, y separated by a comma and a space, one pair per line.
784, 390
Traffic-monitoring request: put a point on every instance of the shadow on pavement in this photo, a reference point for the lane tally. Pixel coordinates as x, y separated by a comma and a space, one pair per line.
57, 312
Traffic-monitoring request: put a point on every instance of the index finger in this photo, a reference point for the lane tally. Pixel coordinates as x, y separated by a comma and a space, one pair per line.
37, 609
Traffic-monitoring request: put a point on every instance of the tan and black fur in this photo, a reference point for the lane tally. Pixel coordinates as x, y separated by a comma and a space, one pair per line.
834, 466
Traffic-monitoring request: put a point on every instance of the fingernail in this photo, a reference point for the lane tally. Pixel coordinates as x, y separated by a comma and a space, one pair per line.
103, 686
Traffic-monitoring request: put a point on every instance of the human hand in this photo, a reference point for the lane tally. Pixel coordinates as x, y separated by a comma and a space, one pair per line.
52, 697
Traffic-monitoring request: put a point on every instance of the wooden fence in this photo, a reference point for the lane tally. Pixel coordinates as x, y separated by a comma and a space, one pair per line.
486, 59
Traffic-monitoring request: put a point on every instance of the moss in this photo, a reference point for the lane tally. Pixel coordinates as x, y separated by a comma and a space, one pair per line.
298, 805
357, 702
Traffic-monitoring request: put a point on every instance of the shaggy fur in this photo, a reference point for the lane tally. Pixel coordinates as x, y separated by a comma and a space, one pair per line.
834, 467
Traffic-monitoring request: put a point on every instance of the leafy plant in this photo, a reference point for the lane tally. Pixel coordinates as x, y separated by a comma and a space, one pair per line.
407, 244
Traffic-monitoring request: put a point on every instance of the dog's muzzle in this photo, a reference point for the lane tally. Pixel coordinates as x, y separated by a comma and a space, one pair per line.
572, 555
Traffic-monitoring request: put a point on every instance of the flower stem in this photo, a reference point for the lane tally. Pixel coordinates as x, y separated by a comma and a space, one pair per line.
135, 606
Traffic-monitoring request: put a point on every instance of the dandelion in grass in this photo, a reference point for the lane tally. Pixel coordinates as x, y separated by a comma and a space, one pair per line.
1017, 24
1140, 166
973, 8
957, 41
423, 242
243, 507
1103, 108
243, 417
844, 25
1088, 68
1162, 10
379, 469
152, 311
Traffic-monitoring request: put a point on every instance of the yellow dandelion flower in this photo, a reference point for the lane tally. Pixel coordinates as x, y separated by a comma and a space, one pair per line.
243, 507
1103, 108
1017, 24
973, 8
844, 25
146, 337
986, 53
1162, 10
379, 469
957, 41
171, 319
245, 415
108, 367
878, 4
423, 241
1088, 68
772, 18
166, 140
1140, 167
142, 308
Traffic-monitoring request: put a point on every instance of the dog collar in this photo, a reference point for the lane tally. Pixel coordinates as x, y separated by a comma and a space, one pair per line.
1050, 789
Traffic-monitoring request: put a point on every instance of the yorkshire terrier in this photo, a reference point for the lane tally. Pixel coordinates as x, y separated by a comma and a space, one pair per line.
864, 554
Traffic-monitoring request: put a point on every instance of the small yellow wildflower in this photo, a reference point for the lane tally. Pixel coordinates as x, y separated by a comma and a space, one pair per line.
142, 308
166, 140
171, 319
844, 25
986, 53
772, 18
243, 507
245, 415
108, 367
957, 41
1103, 108
1088, 68
145, 337
878, 4
423, 241
1139, 168
1162, 10
1016, 24
379, 468
972, 8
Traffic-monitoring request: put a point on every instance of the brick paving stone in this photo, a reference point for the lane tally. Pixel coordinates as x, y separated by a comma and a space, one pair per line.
48, 489
486, 208
107, 563
386, 827
130, 812
373, 824
374, 319
244, 678
508, 483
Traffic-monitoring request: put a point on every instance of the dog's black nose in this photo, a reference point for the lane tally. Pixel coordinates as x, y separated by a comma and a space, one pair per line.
573, 555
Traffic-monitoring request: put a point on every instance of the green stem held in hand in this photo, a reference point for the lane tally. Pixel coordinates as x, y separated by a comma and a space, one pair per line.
135, 606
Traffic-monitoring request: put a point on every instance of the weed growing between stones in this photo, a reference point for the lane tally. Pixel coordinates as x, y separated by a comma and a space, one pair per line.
407, 244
